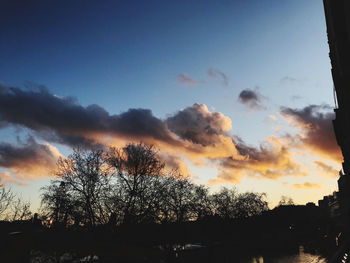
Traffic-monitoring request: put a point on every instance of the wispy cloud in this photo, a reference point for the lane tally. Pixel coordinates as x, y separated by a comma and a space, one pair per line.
307, 185
186, 80
296, 97
212, 73
292, 80
327, 169
217, 74
8, 178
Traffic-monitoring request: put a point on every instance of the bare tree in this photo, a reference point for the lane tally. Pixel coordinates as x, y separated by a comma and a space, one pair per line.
11, 207
80, 191
285, 200
228, 204
137, 170
19, 210
130, 185
6, 198
224, 203
178, 199
57, 203
250, 204
202, 205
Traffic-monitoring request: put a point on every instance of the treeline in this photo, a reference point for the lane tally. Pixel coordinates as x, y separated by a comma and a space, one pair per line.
132, 185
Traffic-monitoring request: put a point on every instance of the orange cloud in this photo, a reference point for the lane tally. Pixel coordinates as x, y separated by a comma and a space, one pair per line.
327, 169
307, 185
176, 163
271, 160
6, 177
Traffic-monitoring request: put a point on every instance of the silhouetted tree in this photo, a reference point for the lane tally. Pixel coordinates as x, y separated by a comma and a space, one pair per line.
19, 210
138, 171
202, 205
11, 207
129, 185
6, 198
57, 203
285, 200
81, 189
178, 199
224, 203
228, 204
250, 204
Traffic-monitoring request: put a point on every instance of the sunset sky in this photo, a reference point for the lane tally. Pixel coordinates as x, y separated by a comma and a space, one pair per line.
232, 93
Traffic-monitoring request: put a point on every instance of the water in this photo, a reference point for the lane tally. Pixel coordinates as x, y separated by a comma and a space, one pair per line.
301, 257
227, 254
189, 253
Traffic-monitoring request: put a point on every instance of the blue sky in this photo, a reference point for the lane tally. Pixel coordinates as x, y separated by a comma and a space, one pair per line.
129, 54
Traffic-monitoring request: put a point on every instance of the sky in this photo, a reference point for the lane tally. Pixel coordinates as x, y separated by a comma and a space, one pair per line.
232, 93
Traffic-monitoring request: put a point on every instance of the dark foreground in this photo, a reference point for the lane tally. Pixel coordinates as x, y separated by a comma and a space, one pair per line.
47, 245
285, 235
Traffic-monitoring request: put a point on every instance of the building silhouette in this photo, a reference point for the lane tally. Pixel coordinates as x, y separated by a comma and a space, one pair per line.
337, 14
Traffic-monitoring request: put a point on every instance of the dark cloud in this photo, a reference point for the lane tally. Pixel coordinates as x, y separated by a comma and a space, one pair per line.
251, 98
214, 73
198, 125
63, 120
28, 158
186, 80
315, 123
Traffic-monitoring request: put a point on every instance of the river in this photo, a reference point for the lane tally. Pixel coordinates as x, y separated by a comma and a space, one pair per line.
232, 255
300, 257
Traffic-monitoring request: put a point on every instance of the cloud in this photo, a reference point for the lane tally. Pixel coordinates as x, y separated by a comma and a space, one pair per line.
186, 80
176, 163
198, 125
63, 120
327, 169
28, 159
271, 160
307, 185
217, 74
295, 97
193, 135
316, 129
6, 177
292, 80
251, 98
272, 117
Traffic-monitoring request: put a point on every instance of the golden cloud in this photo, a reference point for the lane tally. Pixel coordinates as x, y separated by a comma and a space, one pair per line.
307, 185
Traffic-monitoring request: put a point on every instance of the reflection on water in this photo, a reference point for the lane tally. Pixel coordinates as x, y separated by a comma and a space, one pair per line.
301, 257
186, 253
